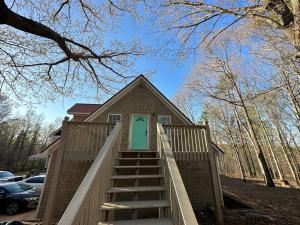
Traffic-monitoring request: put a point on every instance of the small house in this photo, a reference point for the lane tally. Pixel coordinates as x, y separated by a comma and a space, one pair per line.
135, 159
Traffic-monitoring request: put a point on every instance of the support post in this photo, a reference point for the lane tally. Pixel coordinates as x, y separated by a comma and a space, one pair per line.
216, 184
56, 175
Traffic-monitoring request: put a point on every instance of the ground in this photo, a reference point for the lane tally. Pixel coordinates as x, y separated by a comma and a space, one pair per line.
280, 203
26, 215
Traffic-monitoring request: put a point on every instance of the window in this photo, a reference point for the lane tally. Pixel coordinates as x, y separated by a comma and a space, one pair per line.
16, 188
35, 180
114, 118
2, 193
4, 174
166, 120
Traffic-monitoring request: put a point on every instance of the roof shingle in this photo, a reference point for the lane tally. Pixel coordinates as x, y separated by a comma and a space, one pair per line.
83, 108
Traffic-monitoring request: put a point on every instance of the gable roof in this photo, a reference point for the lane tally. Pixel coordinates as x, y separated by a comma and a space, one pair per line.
83, 108
102, 107
140, 80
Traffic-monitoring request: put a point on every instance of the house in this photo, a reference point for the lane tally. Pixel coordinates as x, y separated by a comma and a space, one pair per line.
135, 159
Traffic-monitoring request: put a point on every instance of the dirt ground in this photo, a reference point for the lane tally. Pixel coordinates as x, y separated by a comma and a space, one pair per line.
22, 216
281, 203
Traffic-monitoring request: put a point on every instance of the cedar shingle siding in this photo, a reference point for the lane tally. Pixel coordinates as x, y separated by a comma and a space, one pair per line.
139, 101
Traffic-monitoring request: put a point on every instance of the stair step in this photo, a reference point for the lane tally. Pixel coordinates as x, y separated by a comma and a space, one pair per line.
164, 221
137, 176
139, 151
136, 189
134, 205
124, 158
136, 167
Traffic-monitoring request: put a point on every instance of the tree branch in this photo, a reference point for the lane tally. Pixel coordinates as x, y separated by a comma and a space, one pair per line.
8, 17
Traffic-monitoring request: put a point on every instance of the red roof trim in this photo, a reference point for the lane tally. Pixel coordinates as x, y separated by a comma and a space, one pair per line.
83, 108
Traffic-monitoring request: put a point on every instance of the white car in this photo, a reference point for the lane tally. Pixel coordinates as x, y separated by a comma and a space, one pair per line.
6, 176
36, 182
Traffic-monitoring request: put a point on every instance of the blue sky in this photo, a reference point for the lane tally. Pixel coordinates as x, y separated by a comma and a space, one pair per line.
168, 76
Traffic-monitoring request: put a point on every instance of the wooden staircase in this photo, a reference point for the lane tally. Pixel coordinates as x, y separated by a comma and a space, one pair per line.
137, 193
131, 188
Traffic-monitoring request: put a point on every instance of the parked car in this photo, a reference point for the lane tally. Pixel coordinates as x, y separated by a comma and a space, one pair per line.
15, 196
6, 176
35, 182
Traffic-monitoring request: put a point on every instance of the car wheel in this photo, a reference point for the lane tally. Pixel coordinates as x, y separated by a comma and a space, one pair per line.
12, 208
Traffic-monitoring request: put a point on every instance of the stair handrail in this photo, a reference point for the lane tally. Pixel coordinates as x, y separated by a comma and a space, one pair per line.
181, 209
84, 208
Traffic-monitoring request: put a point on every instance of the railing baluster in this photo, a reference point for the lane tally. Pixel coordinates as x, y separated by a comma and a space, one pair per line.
177, 138
193, 144
187, 141
181, 145
196, 151
172, 131
199, 144
180, 207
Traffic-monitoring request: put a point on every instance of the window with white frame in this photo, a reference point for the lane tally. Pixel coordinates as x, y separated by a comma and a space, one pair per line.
114, 118
166, 120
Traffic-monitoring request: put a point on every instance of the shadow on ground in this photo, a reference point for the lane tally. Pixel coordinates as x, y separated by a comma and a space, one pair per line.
264, 205
24, 215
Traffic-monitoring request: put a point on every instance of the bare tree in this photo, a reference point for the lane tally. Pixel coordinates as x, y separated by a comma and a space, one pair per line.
184, 100
223, 81
198, 22
52, 47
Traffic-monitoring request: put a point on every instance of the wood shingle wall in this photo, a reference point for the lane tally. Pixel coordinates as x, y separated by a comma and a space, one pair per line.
139, 101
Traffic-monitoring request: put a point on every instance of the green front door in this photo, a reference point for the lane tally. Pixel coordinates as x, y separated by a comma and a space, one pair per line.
139, 132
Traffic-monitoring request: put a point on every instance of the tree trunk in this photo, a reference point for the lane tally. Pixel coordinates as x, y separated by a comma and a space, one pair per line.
269, 144
253, 136
30, 149
291, 149
293, 99
18, 158
284, 147
236, 151
253, 169
288, 159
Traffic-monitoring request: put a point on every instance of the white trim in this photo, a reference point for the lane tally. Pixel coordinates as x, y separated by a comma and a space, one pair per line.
130, 87
164, 100
52, 147
130, 130
78, 113
110, 102
114, 114
164, 116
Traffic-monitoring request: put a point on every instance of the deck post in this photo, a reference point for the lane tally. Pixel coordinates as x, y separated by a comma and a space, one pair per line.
56, 174
216, 185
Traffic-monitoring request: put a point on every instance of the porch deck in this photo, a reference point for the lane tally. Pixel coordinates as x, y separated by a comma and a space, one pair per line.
146, 183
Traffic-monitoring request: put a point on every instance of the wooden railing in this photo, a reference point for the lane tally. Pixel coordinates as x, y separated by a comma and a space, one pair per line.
84, 207
188, 143
85, 139
181, 209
